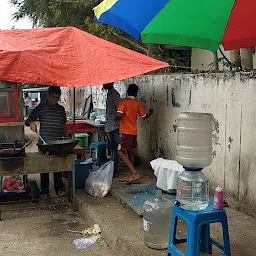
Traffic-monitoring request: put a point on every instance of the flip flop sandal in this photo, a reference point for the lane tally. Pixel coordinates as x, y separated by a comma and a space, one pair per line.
125, 179
132, 179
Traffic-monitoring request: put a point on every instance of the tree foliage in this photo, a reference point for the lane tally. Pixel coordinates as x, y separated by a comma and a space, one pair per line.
78, 13
61, 13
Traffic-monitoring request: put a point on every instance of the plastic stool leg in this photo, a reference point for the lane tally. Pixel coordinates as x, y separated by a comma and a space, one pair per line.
193, 245
206, 242
172, 249
173, 229
227, 250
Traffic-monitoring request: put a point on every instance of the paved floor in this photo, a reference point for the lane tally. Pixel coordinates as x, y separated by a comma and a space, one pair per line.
123, 230
44, 232
121, 227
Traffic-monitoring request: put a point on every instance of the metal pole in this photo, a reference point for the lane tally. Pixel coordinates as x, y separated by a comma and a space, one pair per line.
74, 186
0, 207
74, 111
73, 166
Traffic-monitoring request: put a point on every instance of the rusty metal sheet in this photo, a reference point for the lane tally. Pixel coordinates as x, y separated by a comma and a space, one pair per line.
11, 166
61, 163
34, 163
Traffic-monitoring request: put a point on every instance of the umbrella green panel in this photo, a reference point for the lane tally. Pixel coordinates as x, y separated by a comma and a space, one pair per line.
198, 23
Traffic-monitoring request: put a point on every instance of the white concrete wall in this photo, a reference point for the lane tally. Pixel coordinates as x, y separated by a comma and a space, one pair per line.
203, 59
98, 95
231, 98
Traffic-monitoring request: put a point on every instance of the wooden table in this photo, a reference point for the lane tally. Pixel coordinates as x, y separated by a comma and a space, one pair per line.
34, 163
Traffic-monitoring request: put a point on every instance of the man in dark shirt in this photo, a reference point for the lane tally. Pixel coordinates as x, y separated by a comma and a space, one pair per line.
112, 125
52, 118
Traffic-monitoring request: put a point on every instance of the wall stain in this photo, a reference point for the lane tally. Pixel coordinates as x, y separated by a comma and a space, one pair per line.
216, 132
175, 127
214, 154
161, 152
230, 140
167, 95
190, 97
174, 103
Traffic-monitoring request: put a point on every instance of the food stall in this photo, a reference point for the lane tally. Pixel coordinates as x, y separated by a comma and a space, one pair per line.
15, 163
61, 56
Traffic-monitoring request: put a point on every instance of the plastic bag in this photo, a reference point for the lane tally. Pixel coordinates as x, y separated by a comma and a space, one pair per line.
99, 182
83, 243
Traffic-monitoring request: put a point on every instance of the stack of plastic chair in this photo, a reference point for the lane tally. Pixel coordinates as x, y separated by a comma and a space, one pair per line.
101, 152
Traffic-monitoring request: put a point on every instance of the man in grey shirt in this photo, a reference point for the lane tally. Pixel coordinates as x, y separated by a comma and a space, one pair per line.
112, 125
52, 118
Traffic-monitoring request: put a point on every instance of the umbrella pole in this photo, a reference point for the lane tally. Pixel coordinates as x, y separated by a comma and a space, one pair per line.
73, 169
74, 111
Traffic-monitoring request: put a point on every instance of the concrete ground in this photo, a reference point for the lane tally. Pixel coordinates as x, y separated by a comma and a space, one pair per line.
122, 227
44, 231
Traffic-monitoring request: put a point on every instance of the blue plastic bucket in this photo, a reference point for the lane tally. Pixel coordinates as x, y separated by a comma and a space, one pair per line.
81, 173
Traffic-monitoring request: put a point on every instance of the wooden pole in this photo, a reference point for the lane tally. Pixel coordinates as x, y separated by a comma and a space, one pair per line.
216, 61
149, 53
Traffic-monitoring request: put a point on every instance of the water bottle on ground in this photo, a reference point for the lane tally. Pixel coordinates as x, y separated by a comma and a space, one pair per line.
157, 221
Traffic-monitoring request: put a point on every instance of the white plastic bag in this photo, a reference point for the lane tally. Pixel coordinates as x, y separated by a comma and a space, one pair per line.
83, 243
99, 182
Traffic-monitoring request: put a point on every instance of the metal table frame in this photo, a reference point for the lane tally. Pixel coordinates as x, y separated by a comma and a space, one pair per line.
34, 163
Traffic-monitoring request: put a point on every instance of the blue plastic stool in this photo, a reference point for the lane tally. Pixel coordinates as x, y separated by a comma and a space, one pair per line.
100, 148
198, 235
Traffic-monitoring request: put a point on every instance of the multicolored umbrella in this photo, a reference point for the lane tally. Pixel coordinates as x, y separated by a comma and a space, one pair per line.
204, 24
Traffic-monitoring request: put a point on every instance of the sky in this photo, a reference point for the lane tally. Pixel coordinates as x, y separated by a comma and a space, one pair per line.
6, 22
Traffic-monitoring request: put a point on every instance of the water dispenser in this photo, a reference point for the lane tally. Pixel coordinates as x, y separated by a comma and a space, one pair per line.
194, 152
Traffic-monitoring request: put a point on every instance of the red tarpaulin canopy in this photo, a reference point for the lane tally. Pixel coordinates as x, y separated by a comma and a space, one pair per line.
67, 57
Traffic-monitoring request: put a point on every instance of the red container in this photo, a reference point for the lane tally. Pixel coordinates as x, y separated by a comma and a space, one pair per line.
218, 200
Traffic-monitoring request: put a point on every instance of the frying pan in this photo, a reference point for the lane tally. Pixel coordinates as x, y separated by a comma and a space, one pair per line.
62, 145
12, 150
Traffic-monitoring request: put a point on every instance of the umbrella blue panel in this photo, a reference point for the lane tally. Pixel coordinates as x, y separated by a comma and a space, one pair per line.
132, 16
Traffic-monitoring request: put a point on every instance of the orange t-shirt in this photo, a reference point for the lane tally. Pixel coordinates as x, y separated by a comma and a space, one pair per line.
131, 108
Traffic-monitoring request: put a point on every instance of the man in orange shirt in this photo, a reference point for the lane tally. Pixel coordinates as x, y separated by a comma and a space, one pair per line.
128, 111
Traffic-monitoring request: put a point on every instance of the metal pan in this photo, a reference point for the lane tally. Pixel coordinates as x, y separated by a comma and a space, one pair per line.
60, 146
10, 150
